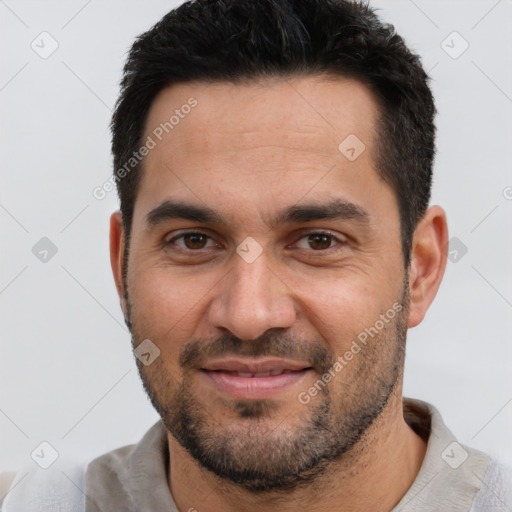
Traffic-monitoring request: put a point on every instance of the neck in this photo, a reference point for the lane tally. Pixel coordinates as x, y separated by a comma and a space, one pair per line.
374, 475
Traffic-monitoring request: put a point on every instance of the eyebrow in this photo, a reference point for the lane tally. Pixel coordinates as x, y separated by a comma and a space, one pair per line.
169, 210
338, 209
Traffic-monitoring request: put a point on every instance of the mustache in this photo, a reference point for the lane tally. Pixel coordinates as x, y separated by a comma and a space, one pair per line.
317, 353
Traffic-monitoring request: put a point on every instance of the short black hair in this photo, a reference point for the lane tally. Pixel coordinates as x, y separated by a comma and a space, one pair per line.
242, 40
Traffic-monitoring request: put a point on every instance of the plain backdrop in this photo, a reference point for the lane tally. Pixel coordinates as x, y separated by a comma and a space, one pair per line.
67, 373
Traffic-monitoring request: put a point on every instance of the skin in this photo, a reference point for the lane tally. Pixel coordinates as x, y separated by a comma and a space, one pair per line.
248, 151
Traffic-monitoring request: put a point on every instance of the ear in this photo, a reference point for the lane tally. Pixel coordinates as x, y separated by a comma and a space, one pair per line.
428, 262
117, 241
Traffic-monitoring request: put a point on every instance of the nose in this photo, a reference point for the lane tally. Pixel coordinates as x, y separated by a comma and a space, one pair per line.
252, 299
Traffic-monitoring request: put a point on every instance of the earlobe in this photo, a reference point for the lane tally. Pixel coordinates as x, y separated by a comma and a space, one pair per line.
428, 262
117, 241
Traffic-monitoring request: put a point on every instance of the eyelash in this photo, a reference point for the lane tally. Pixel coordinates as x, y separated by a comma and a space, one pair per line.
326, 233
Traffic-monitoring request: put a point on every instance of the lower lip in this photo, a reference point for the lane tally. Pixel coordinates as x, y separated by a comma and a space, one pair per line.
254, 387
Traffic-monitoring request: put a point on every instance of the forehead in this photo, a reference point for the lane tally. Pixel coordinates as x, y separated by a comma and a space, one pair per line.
310, 110
270, 141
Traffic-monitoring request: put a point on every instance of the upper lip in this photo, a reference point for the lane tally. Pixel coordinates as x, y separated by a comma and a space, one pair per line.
254, 365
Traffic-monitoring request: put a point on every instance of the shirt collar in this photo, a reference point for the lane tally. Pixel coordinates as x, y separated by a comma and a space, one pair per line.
451, 474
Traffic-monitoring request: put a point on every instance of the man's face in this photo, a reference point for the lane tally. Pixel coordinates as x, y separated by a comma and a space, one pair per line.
303, 291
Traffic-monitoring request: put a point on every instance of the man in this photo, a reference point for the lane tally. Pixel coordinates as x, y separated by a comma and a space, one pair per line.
273, 161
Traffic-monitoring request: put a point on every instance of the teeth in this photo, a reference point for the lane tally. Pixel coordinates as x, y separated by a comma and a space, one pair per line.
262, 374
268, 373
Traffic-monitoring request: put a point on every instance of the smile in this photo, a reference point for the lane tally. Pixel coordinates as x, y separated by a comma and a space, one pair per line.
256, 379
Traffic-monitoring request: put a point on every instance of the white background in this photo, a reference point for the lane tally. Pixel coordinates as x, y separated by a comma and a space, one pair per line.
67, 374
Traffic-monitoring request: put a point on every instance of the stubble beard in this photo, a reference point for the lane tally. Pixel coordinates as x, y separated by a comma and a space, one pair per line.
260, 451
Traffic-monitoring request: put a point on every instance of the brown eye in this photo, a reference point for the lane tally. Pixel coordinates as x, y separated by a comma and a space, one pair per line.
192, 241
317, 241
195, 240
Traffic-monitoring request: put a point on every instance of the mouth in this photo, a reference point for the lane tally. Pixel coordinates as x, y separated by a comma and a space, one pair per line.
256, 379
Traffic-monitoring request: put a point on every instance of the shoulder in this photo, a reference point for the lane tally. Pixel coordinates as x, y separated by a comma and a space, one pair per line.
38, 490
70, 485
496, 489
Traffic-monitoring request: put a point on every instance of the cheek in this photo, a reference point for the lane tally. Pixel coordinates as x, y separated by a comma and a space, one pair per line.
165, 304
340, 309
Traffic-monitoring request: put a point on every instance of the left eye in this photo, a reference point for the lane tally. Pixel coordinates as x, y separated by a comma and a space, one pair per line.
318, 241
192, 240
